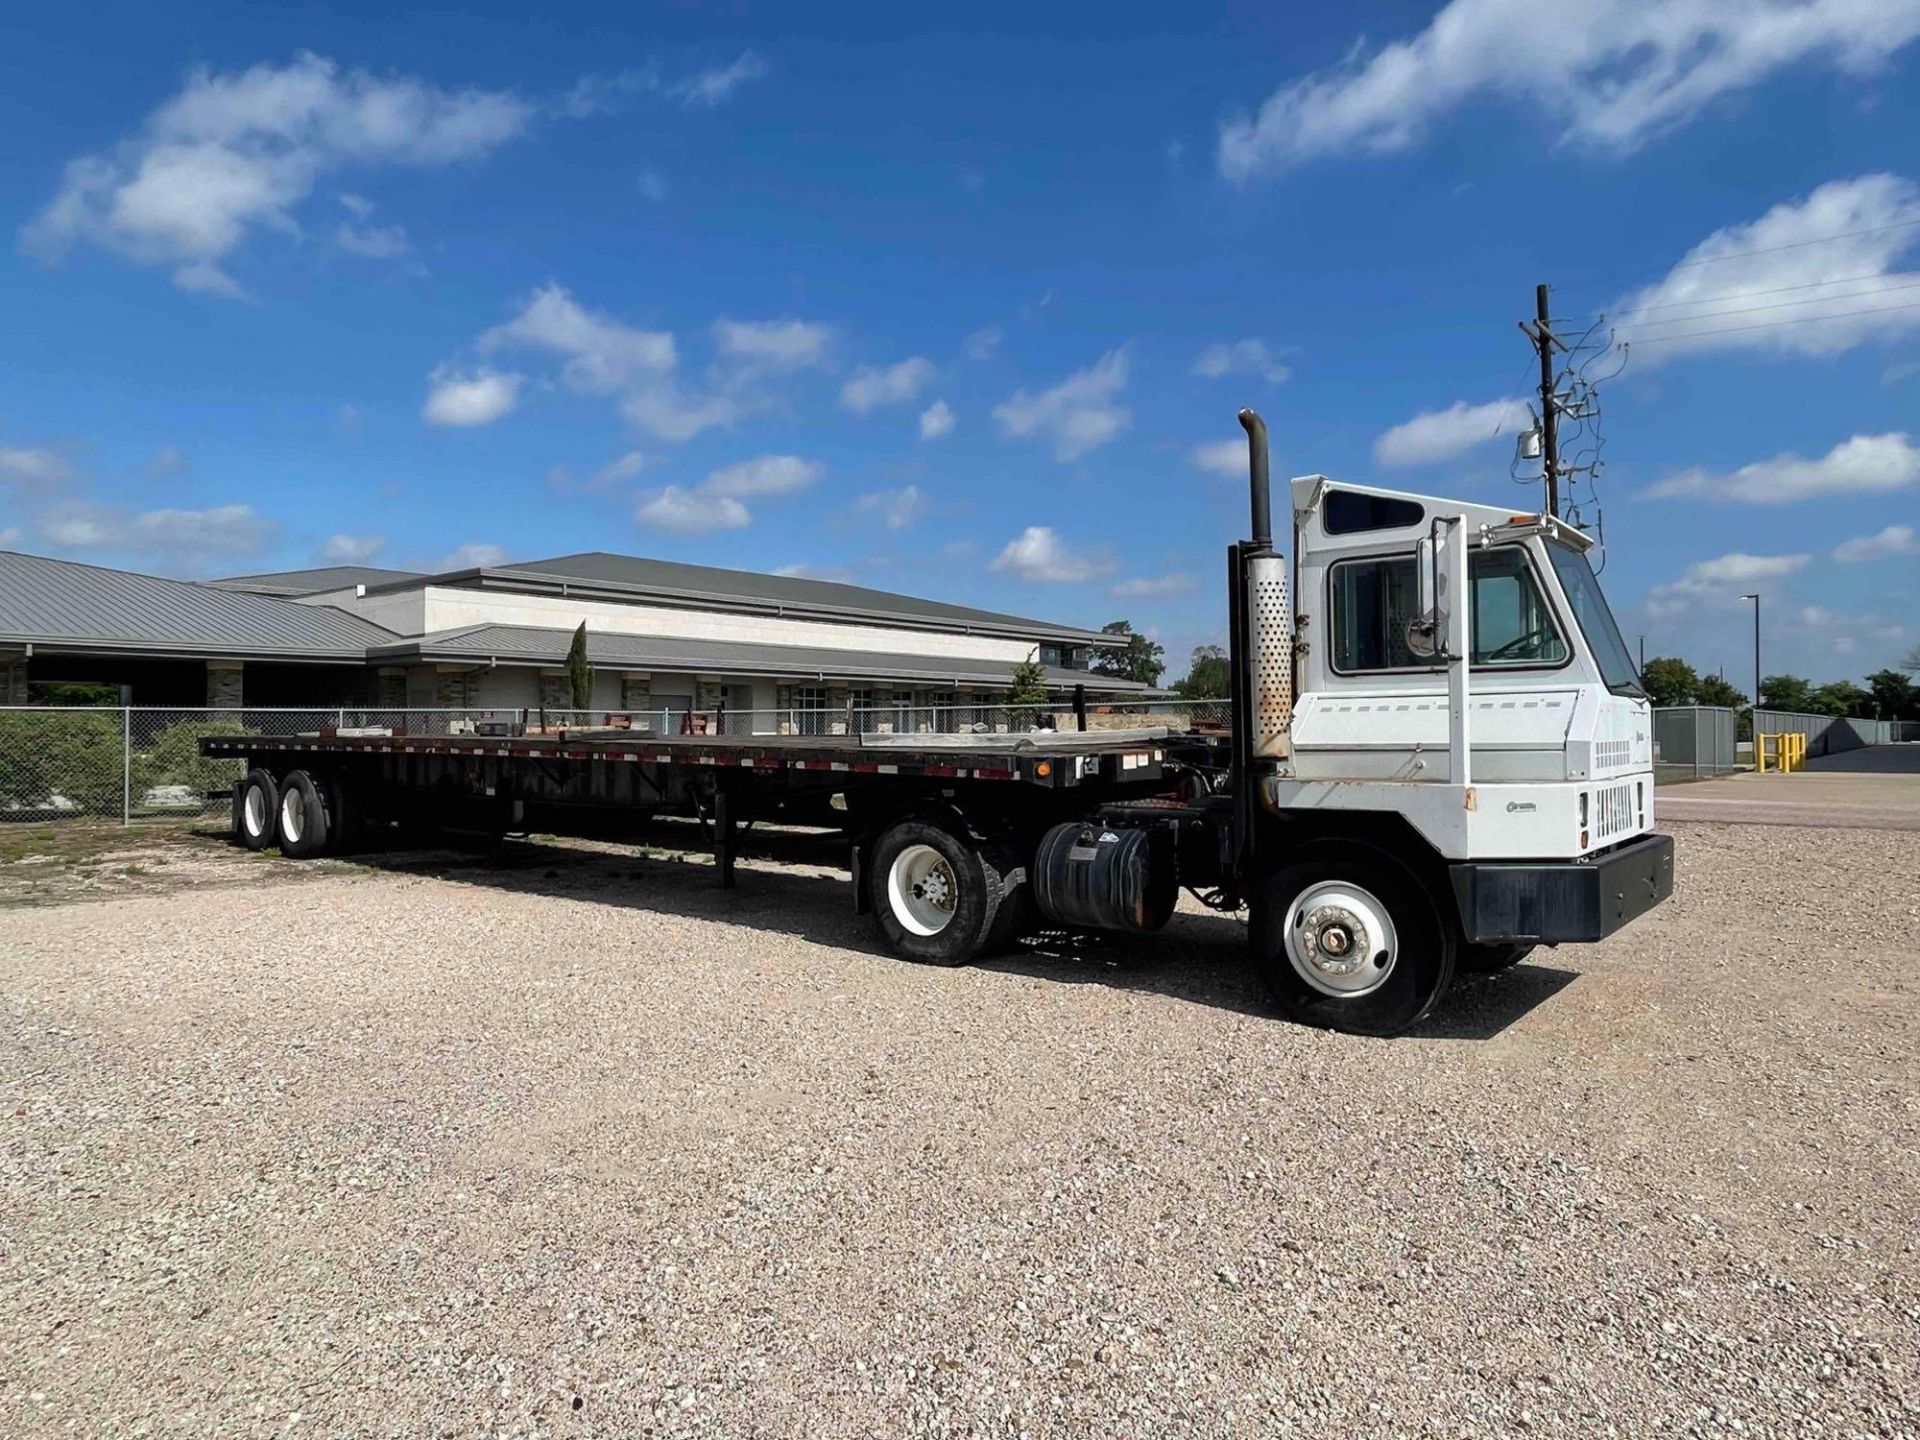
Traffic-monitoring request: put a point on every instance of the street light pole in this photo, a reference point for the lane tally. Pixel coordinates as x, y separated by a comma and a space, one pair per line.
1756, 649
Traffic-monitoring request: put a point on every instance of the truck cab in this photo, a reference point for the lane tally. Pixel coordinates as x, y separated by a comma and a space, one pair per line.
1466, 767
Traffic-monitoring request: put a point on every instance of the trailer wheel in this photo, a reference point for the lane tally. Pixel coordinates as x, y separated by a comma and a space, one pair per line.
1348, 938
935, 896
1491, 959
303, 827
256, 808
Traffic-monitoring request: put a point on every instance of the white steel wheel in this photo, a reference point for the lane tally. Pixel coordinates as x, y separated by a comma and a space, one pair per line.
254, 814
1340, 939
293, 816
922, 890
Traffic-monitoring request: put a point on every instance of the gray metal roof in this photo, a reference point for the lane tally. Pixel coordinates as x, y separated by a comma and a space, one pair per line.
633, 577
314, 582
64, 605
537, 645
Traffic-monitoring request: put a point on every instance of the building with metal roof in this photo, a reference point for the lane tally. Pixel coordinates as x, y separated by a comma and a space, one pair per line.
662, 636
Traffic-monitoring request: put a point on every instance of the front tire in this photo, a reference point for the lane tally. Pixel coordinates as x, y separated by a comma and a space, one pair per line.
1349, 939
935, 896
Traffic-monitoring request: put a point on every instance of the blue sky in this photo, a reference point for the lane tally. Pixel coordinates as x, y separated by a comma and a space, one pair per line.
966, 312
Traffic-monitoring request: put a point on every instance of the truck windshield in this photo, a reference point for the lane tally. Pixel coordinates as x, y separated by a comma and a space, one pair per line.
1595, 619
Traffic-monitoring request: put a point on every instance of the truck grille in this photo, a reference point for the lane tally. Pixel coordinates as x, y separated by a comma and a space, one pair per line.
1614, 812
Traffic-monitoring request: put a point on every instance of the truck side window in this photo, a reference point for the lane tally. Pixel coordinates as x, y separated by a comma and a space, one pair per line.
1511, 622
1373, 599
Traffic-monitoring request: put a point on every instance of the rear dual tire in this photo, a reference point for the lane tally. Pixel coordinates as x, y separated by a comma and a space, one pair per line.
939, 899
302, 813
256, 808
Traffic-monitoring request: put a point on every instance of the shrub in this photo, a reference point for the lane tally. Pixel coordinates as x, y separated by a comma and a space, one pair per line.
69, 754
172, 757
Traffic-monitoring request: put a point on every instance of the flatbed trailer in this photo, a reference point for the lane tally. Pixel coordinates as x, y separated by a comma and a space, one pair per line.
1450, 768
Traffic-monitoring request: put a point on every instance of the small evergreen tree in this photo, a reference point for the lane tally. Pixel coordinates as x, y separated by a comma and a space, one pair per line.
579, 671
1027, 689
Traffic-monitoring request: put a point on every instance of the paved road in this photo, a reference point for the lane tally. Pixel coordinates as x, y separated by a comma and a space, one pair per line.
1877, 788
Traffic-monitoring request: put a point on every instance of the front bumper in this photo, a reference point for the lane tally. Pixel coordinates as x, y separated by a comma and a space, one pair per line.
1546, 902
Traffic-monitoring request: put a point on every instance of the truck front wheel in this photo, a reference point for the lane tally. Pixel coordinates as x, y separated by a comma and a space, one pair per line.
935, 895
1348, 938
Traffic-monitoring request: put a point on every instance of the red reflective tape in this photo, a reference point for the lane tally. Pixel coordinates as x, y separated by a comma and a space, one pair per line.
944, 771
866, 767
993, 774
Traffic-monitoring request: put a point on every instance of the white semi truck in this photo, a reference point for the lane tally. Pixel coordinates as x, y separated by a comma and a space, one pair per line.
1439, 757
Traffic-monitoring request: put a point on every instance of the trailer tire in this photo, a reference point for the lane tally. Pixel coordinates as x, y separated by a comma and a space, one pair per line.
1491, 959
302, 817
1380, 917
256, 810
935, 894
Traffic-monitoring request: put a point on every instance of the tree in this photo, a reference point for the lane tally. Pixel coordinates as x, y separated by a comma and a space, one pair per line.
1027, 687
1206, 675
579, 672
1912, 663
1843, 697
1717, 690
1785, 692
1669, 681
1896, 697
1141, 660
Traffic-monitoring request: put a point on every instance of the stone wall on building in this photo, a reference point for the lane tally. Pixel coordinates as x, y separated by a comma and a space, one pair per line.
636, 690
13, 678
226, 684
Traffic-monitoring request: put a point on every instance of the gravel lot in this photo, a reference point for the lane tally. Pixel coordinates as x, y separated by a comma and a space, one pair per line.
577, 1145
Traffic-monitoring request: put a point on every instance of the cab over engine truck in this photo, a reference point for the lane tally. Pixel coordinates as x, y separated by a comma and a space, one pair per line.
1439, 757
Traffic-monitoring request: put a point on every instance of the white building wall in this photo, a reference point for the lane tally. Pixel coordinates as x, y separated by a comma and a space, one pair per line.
450, 607
404, 611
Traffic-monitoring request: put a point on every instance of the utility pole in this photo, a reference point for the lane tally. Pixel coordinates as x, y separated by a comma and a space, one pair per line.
1756, 648
1544, 342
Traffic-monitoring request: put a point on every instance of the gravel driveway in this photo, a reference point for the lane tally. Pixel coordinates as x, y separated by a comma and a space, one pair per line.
584, 1147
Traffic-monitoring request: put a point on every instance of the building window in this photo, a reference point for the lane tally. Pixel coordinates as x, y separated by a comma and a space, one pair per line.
941, 703
903, 713
1052, 655
863, 716
1373, 600
809, 710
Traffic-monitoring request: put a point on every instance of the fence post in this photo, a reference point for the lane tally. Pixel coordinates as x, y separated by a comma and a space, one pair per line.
126, 766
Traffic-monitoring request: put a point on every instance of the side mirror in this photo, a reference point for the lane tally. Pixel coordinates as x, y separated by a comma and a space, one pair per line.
1423, 630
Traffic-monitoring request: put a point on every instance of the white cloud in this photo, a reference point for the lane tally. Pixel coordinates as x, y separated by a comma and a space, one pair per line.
1241, 357
602, 354
34, 469
1148, 586
187, 539
357, 206
352, 549
898, 508
674, 415
237, 152
773, 344
1720, 581
1078, 415
1442, 434
1894, 540
168, 461
871, 387
1221, 457
691, 512
937, 420
719, 501
1039, 554
474, 555
716, 86
625, 468
1608, 73
1809, 277
461, 399
372, 242
765, 475
838, 574
982, 343
652, 185
1863, 465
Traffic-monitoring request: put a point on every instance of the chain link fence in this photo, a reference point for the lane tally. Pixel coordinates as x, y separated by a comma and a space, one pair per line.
137, 763
1693, 742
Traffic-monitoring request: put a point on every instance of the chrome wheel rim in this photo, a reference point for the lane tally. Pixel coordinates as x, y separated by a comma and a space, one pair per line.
923, 890
293, 815
1341, 940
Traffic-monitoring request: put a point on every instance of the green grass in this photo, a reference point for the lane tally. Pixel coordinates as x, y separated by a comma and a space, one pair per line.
76, 842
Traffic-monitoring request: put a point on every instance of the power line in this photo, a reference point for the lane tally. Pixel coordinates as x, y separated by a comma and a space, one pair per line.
1776, 324
1629, 323
1594, 284
1753, 294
